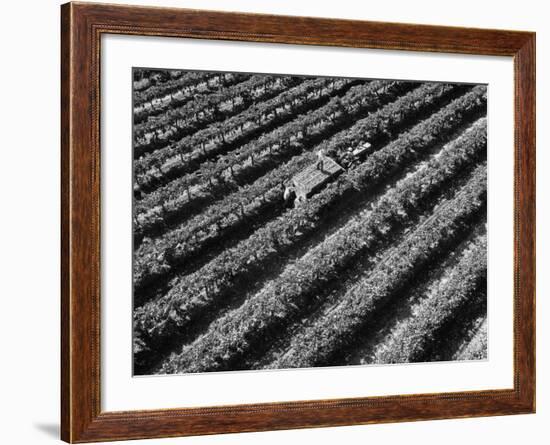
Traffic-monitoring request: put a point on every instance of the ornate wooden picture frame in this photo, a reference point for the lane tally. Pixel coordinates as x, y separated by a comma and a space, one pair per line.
82, 25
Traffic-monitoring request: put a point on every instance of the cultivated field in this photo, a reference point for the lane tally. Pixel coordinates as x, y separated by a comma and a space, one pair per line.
285, 221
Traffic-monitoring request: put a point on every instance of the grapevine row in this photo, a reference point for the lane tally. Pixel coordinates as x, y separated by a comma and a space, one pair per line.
383, 124
155, 262
409, 341
182, 242
334, 332
257, 84
144, 79
406, 149
244, 165
159, 98
203, 290
372, 337
187, 80
156, 258
188, 153
289, 295
253, 159
476, 349
194, 115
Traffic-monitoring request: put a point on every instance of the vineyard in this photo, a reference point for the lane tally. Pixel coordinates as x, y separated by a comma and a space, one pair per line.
287, 221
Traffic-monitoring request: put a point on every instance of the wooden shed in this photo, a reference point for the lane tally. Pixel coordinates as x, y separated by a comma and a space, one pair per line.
312, 179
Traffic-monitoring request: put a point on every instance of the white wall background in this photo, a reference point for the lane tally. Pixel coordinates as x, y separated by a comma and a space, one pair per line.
29, 222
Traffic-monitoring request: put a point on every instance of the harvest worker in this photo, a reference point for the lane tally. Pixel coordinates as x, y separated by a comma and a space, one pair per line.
320, 159
289, 195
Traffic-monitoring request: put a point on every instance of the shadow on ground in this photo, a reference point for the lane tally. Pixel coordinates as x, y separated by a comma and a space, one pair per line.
49, 429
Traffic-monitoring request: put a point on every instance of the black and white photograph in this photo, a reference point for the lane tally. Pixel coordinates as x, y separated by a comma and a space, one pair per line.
285, 221
236, 222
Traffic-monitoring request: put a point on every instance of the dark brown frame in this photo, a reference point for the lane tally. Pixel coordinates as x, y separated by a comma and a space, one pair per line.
81, 28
